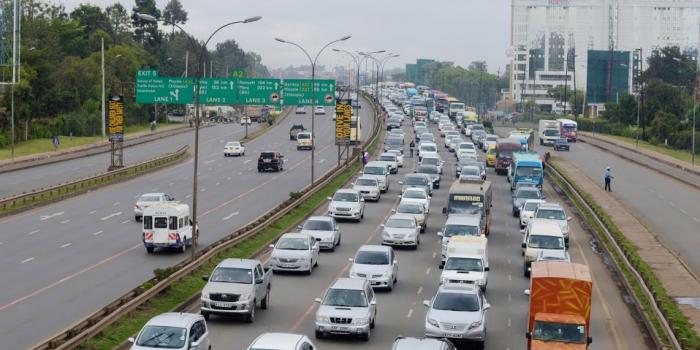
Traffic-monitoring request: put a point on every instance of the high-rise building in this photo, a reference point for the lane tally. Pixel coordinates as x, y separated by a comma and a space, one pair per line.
551, 39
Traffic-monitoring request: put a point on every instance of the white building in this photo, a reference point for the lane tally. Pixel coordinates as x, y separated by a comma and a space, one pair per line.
544, 31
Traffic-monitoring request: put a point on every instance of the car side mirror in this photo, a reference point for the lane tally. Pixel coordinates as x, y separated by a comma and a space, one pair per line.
398, 196
569, 218
526, 292
487, 269
271, 246
373, 302
589, 340
522, 231
487, 306
440, 234
194, 344
258, 281
362, 199
395, 261
524, 245
132, 340
351, 260
393, 210
299, 227
528, 335
426, 303
205, 278
400, 182
317, 300
330, 199
444, 210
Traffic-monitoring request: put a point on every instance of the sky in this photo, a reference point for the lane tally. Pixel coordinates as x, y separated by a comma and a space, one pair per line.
460, 31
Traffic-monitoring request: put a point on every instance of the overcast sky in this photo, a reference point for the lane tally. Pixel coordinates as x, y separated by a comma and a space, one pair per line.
460, 31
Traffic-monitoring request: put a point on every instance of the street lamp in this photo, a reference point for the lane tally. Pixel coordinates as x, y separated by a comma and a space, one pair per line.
149, 18
358, 63
384, 61
313, 91
695, 100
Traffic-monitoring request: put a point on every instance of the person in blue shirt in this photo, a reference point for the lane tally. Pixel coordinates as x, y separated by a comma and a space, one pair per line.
608, 178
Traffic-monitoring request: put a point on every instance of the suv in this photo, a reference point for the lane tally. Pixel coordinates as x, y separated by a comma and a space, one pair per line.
349, 307
294, 130
457, 311
410, 343
269, 160
173, 330
304, 141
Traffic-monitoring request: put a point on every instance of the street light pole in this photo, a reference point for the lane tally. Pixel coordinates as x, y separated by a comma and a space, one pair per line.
313, 93
149, 18
104, 97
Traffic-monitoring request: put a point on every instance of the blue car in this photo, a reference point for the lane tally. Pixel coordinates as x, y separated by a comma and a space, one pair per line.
561, 144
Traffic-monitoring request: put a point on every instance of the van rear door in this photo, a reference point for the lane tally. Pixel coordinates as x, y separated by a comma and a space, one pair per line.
161, 231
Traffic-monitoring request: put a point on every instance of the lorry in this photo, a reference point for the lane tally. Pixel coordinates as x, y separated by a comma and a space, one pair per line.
467, 261
504, 153
548, 132
254, 112
559, 312
167, 225
455, 108
526, 167
568, 129
236, 287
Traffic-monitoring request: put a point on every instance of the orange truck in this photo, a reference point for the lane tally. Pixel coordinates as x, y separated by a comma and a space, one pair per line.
560, 306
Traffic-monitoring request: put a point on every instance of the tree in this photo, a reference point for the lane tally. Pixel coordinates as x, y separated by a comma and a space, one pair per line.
664, 125
174, 14
119, 22
91, 18
624, 113
662, 65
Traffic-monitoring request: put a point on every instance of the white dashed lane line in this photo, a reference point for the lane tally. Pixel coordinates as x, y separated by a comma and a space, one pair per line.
97, 233
33, 232
66, 245
26, 260
65, 221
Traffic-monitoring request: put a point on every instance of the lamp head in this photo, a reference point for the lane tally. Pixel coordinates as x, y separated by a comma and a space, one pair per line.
146, 17
281, 40
345, 38
252, 19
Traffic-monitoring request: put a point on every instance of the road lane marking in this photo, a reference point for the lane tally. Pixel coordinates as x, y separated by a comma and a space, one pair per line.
683, 211
321, 161
188, 196
66, 245
510, 277
115, 204
696, 220
110, 216
420, 290
218, 183
92, 212
510, 261
65, 221
170, 184
434, 255
26, 260
210, 161
247, 161
510, 297
33, 232
509, 322
427, 271
230, 215
660, 195
250, 169
126, 221
240, 173
204, 190
410, 312
672, 204
46, 217
228, 178
97, 233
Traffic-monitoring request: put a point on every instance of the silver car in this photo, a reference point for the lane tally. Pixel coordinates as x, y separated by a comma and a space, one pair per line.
417, 211
148, 199
295, 252
377, 264
416, 181
324, 229
432, 171
349, 307
390, 158
347, 204
173, 330
281, 341
401, 230
457, 311
368, 187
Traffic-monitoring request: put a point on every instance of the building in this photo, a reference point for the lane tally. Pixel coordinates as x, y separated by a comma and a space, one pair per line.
416, 72
551, 41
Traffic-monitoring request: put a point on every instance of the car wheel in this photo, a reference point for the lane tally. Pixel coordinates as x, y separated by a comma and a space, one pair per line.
250, 318
319, 334
337, 244
137, 218
316, 263
149, 250
205, 315
365, 336
265, 302
184, 245
526, 272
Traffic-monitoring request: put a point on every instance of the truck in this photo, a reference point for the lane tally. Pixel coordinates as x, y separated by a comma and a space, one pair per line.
548, 132
504, 154
559, 312
236, 287
455, 108
254, 112
568, 129
526, 167
467, 261
167, 225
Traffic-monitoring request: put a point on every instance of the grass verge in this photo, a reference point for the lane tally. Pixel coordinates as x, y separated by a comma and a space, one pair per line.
677, 154
185, 288
682, 327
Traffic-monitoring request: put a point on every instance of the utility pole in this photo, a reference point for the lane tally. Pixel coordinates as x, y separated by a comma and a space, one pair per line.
104, 97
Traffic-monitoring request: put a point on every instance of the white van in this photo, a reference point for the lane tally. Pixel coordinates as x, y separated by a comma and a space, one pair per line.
167, 225
540, 235
467, 261
459, 225
379, 171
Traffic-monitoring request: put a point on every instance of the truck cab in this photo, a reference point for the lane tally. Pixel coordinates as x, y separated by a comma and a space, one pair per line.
466, 261
167, 225
549, 131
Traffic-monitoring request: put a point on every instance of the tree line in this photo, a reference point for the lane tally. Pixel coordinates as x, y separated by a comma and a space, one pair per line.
60, 84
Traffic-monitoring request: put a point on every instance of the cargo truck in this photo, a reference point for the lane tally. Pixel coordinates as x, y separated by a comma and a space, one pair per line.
548, 132
466, 261
560, 306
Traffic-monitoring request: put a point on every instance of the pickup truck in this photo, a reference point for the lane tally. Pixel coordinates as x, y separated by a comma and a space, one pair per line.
237, 287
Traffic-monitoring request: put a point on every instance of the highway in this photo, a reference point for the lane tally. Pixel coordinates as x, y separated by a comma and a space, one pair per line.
25, 180
401, 312
70, 258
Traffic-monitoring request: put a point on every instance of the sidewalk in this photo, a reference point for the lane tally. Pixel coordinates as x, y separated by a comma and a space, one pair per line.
676, 279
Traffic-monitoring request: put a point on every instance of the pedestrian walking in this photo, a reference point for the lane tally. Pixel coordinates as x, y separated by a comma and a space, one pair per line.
608, 178
411, 147
365, 158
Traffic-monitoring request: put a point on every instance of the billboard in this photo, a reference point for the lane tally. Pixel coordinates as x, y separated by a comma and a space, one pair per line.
608, 75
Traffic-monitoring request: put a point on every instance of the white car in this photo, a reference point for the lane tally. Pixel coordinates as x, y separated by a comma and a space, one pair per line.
555, 213
401, 230
390, 158
399, 156
347, 204
454, 142
457, 311
465, 148
368, 187
349, 306
148, 199
319, 110
380, 171
416, 195
295, 252
281, 341
447, 128
377, 264
324, 229
427, 148
173, 330
528, 210
450, 134
432, 159
234, 148
540, 235
300, 110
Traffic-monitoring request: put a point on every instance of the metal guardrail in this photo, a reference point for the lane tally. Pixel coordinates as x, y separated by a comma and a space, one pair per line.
28, 200
76, 334
638, 304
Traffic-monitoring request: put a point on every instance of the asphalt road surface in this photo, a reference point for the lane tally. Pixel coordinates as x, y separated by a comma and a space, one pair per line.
25, 180
401, 311
68, 259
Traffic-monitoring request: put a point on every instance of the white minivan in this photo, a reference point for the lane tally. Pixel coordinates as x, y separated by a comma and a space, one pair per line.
379, 171
167, 225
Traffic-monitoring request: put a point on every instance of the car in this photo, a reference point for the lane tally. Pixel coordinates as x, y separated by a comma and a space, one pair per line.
319, 110
281, 341
391, 159
294, 130
348, 307
470, 173
416, 180
432, 171
401, 230
411, 343
459, 225
474, 128
380, 171
420, 131
393, 123
270, 160
447, 128
300, 110
245, 120
417, 211
427, 148
173, 330
491, 156
478, 137
419, 124
555, 213
377, 264
393, 143
399, 156
540, 235
295, 252
427, 137
561, 144
457, 311
324, 229
468, 161
454, 143
416, 195
432, 159
304, 141
528, 210
368, 187
464, 148
148, 199
451, 133
234, 148
523, 194
489, 140
347, 204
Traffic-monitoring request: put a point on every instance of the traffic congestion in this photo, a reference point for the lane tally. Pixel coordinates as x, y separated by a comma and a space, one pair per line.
410, 254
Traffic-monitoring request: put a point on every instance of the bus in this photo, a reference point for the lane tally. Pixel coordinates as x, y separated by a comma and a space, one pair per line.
568, 129
526, 167
468, 197
469, 117
355, 130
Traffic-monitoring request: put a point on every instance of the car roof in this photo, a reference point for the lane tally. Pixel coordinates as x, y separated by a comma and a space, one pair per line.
541, 201
152, 194
174, 319
374, 248
275, 340
376, 163
414, 189
295, 235
349, 283
388, 154
457, 288
411, 343
402, 216
366, 177
463, 220
320, 218
551, 206
545, 227
346, 190
233, 262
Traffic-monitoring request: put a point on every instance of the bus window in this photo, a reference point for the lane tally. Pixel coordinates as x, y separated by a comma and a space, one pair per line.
173, 222
147, 222
161, 222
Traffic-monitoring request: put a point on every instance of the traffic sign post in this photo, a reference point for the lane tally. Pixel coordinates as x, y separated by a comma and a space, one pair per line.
217, 91
298, 92
150, 88
259, 91
343, 117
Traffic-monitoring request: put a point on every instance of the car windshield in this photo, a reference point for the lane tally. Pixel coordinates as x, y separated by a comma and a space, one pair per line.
546, 242
293, 244
428, 148
387, 158
565, 333
552, 214
375, 170
414, 194
466, 146
456, 302
267, 155
431, 161
478, 127
301, 136
149, 199
366, 182
318, 225
470, 170
427, 170
527, 193
345, 197
372, 258
233, 144
461, 230
531, 206
491, 151
394, 141
345, 297
164, 337
401, 223
407, 208
464, 264
231, 275
415, 180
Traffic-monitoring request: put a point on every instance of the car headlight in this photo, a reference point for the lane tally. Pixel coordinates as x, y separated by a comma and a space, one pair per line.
359, 321
323, 319
475, 324
205, 295
246, 297
433, 323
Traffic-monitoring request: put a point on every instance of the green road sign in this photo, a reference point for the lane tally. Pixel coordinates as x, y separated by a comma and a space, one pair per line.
238, 73
259, 91
298, 92
150, 88
217, 91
